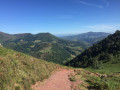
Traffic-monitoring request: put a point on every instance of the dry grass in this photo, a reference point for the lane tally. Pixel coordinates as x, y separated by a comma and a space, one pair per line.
19, 71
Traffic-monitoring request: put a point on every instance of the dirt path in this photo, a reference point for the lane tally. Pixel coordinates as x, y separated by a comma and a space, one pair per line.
57, 81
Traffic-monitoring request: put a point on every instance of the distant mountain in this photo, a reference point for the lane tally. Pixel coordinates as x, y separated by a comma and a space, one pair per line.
19, 71
5, 37
106, 51
90, 37
44, 46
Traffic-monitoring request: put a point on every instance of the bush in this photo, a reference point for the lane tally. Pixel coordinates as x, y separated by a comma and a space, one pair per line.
73, 79
17, 88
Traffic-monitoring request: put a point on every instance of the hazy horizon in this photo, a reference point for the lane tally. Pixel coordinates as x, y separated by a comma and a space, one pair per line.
62, 34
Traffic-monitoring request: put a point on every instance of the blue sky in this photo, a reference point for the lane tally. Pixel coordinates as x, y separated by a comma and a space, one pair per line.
59, 16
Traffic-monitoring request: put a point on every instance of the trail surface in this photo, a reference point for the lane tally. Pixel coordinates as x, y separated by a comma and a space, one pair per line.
57, 81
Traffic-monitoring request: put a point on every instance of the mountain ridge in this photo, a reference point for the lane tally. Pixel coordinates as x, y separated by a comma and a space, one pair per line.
89, 37
44, 46
105, 51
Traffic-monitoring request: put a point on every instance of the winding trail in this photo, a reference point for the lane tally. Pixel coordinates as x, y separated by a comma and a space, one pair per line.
57, 81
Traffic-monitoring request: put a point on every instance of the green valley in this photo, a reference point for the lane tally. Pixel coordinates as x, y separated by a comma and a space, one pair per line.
96, 68
59, 44
43, 46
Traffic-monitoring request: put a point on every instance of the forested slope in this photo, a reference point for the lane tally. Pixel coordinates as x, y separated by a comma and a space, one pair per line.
106, 51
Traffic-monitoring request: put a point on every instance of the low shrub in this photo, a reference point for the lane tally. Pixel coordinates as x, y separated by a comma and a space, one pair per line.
72, 78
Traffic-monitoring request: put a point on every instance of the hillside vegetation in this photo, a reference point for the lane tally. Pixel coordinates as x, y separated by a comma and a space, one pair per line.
44, 46
86, 80
19, 71
101, 54
5, 37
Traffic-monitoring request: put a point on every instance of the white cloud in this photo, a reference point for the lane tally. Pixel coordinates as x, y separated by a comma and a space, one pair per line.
90, 4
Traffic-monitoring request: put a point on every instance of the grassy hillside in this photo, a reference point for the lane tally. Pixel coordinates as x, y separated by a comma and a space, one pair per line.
45, 46
106, 51
90, 38
19, 71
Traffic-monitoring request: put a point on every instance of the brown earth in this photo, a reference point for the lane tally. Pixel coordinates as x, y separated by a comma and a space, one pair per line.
57, 81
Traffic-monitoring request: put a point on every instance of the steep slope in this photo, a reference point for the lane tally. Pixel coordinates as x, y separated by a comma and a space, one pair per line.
90, 37
19, 71
106, 51
45, 46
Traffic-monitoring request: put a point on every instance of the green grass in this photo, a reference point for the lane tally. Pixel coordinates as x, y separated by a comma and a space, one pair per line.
104, 83
19, 71
96, 81
107, 69
110, 82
